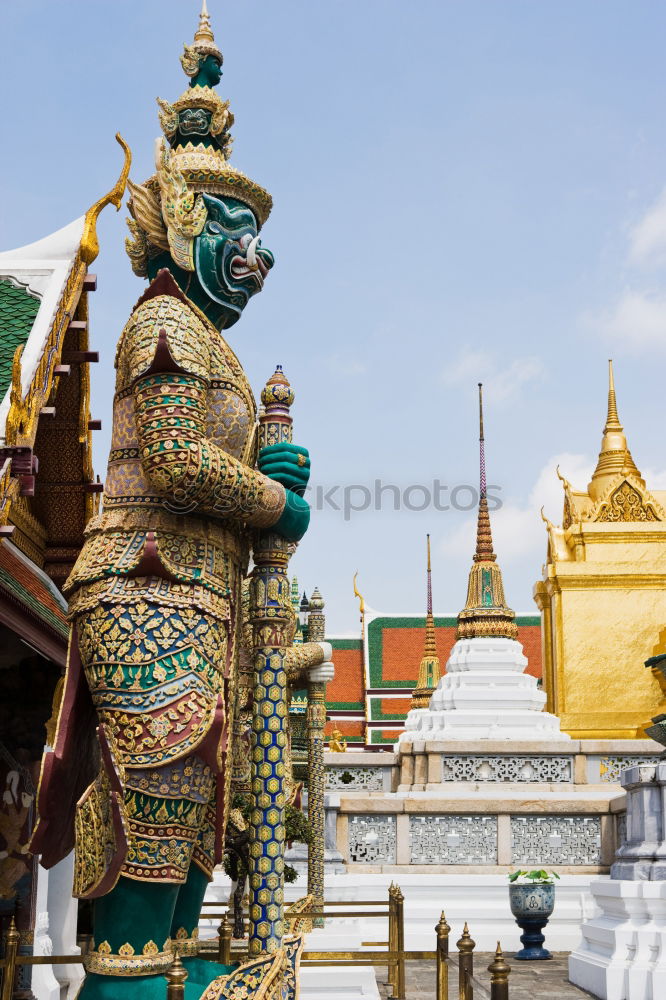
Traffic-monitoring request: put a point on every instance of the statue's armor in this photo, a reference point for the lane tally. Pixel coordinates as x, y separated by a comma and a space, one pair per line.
155, 594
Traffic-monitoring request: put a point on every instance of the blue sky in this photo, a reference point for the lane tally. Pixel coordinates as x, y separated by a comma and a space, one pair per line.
463, 191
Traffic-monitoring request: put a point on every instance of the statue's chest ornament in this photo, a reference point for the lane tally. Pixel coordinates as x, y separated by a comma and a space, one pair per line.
194, 121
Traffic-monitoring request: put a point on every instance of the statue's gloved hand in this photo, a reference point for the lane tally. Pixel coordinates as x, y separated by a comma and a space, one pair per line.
325, 672
294, 519
288, 464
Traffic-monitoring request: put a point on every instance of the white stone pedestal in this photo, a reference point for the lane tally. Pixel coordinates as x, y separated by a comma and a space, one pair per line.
485, 694
44, 984
623, 952
622, 955
335, 983
63, 918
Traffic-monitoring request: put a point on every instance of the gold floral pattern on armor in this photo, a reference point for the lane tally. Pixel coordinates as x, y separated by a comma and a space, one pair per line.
97, 847
123, 434
102, 961
259, 979
228, 420
183, 465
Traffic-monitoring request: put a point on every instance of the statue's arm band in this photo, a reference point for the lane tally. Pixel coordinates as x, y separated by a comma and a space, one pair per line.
301, 657
187, 469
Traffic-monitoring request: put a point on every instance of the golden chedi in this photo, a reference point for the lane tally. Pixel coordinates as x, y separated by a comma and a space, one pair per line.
603, 596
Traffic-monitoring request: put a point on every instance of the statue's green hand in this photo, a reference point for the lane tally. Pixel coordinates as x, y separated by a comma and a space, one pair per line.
288, 464
294, 519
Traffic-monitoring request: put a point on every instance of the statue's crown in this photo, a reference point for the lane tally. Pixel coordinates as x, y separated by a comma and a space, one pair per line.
167, 209
203, 44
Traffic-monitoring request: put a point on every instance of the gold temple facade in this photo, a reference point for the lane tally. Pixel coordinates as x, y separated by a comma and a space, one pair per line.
603, 596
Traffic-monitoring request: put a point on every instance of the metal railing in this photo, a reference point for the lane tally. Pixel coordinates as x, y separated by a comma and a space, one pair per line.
393, 957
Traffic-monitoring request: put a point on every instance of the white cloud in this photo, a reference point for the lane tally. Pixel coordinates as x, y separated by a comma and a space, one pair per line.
655, 479
647, 239
638, 321
500, 383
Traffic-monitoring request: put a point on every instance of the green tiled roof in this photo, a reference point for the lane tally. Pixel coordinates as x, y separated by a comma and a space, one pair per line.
18, 309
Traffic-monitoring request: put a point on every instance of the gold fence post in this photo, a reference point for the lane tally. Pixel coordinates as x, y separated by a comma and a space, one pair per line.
11, 949
392, 939
399, 994
499, 976
175, 978
465, 946
442, 929
224, 941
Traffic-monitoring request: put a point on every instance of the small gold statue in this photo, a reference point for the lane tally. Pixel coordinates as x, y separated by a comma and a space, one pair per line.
336, 742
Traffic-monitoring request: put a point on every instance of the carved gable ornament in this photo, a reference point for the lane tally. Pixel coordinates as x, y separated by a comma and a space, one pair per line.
627, 501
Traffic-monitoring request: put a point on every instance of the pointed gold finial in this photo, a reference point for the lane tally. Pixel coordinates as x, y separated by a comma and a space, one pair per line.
500, 971
89, 242
466, 943
484, 538
614, 457
202, 46
358, 594
485, 612
612, 419
429, 670
204, 32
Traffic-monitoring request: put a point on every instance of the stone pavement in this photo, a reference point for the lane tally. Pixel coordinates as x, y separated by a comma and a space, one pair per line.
528, 980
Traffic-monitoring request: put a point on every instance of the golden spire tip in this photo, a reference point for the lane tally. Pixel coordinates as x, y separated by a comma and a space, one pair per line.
612, 419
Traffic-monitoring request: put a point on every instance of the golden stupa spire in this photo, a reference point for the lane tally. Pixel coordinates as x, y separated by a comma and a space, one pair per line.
614, 457
429, 672
485, 613
484, 538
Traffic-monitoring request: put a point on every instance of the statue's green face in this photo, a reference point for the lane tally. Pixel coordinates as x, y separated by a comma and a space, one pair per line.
230, 262
209, 73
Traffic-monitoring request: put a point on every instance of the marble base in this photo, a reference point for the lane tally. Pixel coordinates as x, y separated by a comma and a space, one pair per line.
622, 955
484, 694
481, 900
297, 856
338, 983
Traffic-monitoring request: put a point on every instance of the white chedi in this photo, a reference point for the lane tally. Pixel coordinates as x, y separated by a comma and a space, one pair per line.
484, 694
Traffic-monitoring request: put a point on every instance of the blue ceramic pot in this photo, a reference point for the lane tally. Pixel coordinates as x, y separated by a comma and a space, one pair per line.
532, 905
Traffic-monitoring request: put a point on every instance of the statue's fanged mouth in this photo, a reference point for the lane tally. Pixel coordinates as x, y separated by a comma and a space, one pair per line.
250, 266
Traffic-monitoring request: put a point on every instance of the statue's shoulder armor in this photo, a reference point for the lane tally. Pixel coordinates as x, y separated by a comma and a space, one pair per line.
164, 325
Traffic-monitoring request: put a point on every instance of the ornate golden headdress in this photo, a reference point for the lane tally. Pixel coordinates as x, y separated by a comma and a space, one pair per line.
166, 211
203, 44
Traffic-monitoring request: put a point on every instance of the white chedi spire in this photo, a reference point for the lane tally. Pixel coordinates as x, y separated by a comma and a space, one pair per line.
485, 694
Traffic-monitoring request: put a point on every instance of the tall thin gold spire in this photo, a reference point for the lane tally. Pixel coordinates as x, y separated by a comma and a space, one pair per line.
485, 613
614, 456
484, 538
429, 672
612, 419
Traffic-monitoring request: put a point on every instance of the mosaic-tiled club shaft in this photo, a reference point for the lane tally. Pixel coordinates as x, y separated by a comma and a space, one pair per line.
270, 597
